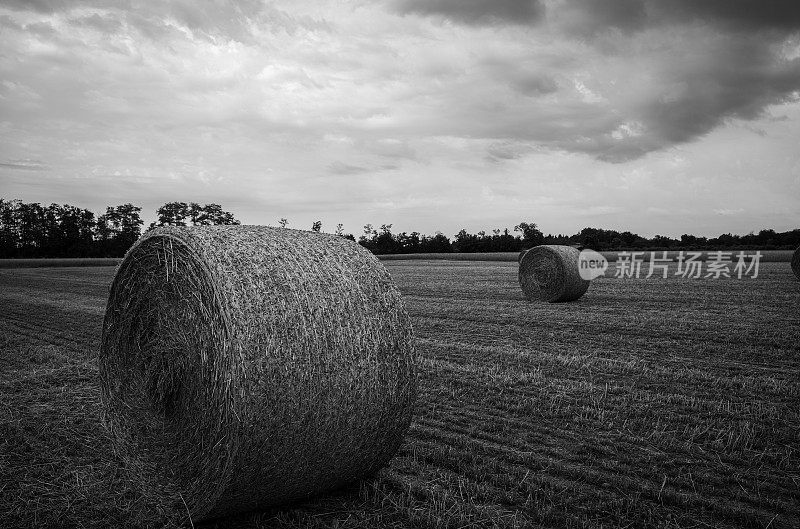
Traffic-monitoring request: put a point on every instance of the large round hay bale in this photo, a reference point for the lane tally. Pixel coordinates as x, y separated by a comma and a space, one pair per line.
245, 366
551, 273
796, 263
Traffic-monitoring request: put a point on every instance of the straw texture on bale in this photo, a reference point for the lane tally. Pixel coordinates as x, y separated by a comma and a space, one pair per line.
521, 255
551, 273
796, 263
243, 367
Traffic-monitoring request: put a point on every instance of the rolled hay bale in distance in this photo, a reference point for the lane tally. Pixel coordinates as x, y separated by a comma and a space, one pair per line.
551, 273
796, 263
245, 366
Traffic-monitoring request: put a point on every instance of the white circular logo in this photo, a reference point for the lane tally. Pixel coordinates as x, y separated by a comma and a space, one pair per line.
591, 264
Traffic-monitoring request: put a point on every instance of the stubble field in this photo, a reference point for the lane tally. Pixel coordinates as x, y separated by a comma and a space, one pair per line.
647, 403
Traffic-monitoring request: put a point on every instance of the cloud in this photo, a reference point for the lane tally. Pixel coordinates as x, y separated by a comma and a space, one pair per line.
224, 98
103, 23
476, 12
340, 168
587, 18
502, 151
533, 83
584, 19
716, 77
208, 19
741, 14
653, 75
536, 80
728, 211
737, 78
41, 6
25, 165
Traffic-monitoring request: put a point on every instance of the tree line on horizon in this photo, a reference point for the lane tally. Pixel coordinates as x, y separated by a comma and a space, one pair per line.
33, 230
527, 235
62, 230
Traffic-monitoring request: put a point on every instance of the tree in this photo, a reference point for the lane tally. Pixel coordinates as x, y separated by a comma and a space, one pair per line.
465, 241
439, 243
367, 240
214, 215
118, 229
32, 232
104, 232
663, 242
197, 215
409, 243
70, 230
531, 236
130, 225
385, 242
9, 228
172, 214
178, 213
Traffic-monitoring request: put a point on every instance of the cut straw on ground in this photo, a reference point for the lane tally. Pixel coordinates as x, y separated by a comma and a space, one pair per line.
551, 273
244, 367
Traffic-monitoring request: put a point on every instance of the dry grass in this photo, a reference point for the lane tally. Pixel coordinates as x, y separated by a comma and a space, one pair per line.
768, 256
58, 262
650, 403
551, 273
245, 366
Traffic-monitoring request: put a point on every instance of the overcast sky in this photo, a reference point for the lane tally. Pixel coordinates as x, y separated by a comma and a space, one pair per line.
659, 116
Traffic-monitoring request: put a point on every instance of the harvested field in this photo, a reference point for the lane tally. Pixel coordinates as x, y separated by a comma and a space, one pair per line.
648, 402
767, 256
59, 262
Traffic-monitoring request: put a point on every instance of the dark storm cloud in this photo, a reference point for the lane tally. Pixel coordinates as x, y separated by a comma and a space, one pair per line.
718, 59
582, 18
476, 12
753, 14
585, 18
739, 80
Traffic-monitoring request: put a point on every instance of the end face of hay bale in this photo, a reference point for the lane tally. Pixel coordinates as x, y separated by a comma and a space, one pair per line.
796, 263
244, 366
550, 273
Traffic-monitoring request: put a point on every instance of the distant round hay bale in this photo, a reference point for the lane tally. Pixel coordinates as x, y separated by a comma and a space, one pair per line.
244, 366
551, 273
796, 263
